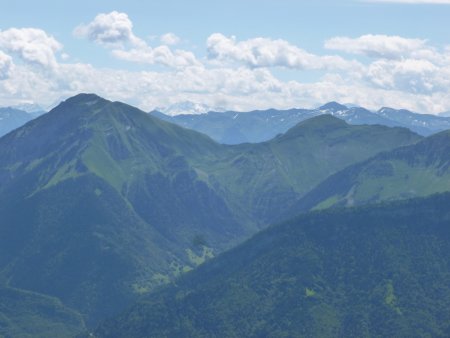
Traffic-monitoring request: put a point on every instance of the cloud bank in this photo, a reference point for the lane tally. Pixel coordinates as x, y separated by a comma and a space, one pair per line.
370, 70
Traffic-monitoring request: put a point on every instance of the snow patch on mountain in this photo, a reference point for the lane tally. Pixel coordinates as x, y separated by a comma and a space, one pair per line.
188, 108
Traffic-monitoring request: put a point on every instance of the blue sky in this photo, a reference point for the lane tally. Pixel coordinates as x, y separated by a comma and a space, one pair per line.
236, 54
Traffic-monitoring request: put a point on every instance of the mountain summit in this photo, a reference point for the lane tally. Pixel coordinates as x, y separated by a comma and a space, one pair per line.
333, 107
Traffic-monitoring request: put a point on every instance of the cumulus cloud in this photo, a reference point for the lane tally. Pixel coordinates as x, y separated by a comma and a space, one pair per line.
400, 64
115, 30
263, 52
6, 65
111, 29
169, 39
376, 46
410, 75
31, 45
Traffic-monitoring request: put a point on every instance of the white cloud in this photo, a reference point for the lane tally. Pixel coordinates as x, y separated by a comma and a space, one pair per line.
169, 39
237, 76
111, 29
263, 52
6, 65
410, 75
160, 55
376, 46
115, 30
31, 45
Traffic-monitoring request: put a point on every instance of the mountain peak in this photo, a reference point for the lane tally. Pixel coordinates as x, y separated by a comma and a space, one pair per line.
81, 105
333, 106
85, 98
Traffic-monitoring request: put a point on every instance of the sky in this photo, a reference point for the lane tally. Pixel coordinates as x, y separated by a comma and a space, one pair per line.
237, 55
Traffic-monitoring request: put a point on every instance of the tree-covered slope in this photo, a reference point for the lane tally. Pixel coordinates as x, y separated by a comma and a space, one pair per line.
373, 271
415, 170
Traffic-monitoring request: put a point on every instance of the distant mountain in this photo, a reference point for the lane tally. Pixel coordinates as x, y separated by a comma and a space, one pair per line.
118, 202
357, 115
424, 124
258, 126
30, 108
411, 171
11, 118
234, 127
187, 107
374, 271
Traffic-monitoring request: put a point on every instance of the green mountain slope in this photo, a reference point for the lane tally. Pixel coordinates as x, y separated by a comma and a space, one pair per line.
101, 202
374, 271
267, 178
416, 170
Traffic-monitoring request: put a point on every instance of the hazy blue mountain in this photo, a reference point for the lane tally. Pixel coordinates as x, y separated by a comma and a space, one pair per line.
32, 108
235, 127
424, 124
118, 202
11, 118
258, 126
375, 271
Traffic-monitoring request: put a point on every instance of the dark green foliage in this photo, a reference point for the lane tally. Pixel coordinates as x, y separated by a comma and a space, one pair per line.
375, 271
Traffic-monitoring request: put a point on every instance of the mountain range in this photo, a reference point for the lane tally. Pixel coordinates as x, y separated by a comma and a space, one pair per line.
102, 203
261, 125
230, 127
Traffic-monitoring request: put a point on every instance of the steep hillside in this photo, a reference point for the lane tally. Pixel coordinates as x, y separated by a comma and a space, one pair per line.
374, 271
